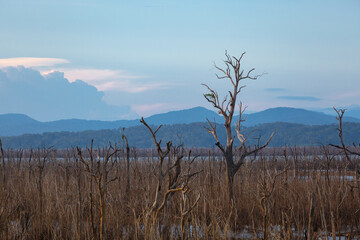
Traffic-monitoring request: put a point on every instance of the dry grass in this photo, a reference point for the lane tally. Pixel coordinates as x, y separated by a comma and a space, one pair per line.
288, 196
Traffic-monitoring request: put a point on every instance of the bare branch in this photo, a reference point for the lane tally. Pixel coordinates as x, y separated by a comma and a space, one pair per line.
212, 129
192, 206
157, 129
168, 192
157, 143
347, 151
240, 136
248, 75
255, 150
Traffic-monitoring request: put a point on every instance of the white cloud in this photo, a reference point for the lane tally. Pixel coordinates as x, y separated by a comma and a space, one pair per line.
53, 97
102, 79
31, 62
95, 75
107, 79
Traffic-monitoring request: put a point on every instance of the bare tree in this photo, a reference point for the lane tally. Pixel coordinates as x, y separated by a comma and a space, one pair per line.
41, 159
177, 182
346, 150
127, 188
3, 166
174, 184
349, 152
100, 172
235, 74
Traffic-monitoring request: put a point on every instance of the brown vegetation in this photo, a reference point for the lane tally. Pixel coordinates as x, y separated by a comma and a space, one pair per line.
288, 196
121, 193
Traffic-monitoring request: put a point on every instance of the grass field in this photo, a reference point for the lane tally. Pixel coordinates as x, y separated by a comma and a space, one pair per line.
92, 194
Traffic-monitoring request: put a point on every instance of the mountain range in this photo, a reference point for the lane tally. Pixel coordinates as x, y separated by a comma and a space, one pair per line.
18, 124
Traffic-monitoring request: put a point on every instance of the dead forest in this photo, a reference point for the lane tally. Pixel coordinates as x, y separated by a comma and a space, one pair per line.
172, 192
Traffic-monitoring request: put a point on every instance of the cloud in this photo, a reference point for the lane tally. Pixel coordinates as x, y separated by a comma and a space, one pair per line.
102, 79
31, 62
107, 79
299, 98
52, 96
94, 75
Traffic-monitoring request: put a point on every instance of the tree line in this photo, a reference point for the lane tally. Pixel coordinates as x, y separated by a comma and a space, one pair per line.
191, 135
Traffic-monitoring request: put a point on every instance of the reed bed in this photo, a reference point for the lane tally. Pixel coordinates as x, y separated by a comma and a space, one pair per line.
51, 194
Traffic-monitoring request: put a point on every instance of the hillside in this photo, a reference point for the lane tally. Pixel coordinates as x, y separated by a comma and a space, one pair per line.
292, 115
191, 135
18, 124
192, 115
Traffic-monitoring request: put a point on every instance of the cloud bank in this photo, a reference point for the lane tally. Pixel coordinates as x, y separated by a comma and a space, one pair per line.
107, 79
102, 79
52, 97
146, 95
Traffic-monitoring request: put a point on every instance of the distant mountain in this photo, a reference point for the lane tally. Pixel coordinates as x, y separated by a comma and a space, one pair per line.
197, 114
14, 119
354, 112
18, 124
293, 115
351, 111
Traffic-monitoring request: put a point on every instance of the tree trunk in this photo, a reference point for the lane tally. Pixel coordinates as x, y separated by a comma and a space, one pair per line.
230, 173
102, 212
3, 166
310, 229
127, 189
230, 186
79, 205
91, 206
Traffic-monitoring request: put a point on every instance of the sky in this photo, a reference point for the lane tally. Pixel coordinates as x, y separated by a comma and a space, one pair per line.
110, 60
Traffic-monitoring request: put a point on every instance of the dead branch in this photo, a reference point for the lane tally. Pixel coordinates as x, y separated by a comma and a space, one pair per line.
347, 152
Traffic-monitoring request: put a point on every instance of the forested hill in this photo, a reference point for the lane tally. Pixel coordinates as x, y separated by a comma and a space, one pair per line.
191, 135
18, 124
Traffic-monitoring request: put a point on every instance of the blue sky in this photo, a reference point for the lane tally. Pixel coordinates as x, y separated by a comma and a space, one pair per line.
123, 59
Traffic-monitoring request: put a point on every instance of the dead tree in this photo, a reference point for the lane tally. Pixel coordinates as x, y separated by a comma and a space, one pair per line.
3, 166
99, 170
79, 175
127, 188
177, 182
235, 74
41, 159
266, 186
186, 207
346, 150
173, 185
349, 152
